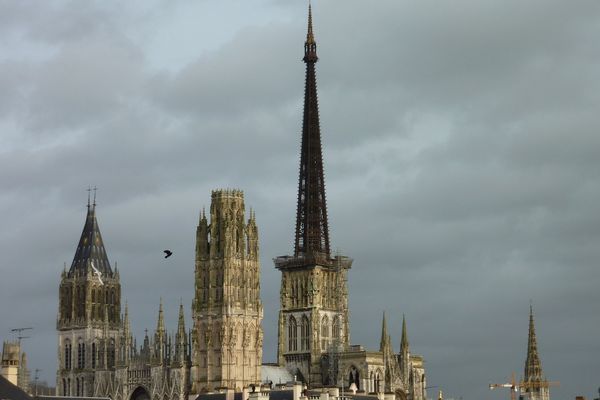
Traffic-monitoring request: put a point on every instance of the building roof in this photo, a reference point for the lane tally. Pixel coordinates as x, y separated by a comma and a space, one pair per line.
219, 396
8, 391
275, 374
90, 250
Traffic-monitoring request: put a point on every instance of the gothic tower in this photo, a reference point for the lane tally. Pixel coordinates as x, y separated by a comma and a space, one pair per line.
534, 377
88, 319
313, 318
227, 334
392, 375
404, 356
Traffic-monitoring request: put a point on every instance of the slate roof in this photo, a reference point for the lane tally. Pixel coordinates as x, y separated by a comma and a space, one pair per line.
8, 391
91, 247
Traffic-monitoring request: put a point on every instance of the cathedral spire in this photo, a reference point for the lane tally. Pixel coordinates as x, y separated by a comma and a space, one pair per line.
404, 340
160, 325
312, 231
181, 323
384, 334
533, 366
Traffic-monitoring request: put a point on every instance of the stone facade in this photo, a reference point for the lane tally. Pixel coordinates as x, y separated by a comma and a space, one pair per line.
227, 334
97, 354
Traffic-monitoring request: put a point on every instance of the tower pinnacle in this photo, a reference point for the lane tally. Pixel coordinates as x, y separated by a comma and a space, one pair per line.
404, 340
384, 334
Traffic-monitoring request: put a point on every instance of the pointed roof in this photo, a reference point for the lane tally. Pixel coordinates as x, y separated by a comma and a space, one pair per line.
384, 334
160, 325
91, 246
126, 324
312, 231
404, 340
533, 365
181, 323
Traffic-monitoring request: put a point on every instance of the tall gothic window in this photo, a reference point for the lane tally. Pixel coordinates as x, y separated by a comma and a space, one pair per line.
80, 354
292, 335
305, 333
335, 334
94, 355
111, 354
67, 355
324, 332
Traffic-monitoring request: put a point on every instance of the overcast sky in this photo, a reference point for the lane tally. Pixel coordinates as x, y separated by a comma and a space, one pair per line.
461, 150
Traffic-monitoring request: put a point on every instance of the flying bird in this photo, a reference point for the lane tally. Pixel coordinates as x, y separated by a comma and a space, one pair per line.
168, 253
98, 273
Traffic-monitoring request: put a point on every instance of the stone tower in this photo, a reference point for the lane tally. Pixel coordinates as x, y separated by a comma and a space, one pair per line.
11, 362
313, 316
227, 333
534, 377
88, 319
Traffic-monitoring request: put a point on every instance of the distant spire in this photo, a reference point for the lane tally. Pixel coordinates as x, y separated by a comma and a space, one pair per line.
312, 229
533, 366
126, 326
404, 340
160, 326
384, 334
181, 323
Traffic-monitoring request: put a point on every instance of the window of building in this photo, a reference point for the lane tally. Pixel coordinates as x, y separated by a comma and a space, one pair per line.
292, 335
305, 333
93, 355
324, 332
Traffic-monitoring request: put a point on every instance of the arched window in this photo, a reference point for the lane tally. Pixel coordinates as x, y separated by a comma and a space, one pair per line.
64, 382
111, 354
354, 377
94, 355
336, 332
305, 333
293, 334
67, 354
324, 332
377, 382
80, 354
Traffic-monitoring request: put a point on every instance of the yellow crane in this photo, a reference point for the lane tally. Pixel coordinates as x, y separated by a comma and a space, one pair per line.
522, 386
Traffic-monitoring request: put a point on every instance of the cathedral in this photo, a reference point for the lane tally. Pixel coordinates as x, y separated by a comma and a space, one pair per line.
99, 357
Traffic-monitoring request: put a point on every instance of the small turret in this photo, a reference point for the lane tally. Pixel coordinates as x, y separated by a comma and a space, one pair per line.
383, 342
181, 342
404, 353
160, 339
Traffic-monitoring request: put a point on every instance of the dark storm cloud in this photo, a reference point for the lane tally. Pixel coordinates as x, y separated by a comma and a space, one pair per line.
460, 142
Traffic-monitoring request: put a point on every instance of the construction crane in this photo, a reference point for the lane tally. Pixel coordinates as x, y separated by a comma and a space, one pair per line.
512, 385
522, 386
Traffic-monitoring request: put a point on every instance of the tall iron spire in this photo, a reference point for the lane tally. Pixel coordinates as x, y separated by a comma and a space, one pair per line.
533, 366
312, 232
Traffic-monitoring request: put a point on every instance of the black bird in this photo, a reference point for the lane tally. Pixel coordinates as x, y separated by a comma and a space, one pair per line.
168, 253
